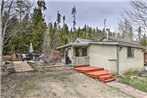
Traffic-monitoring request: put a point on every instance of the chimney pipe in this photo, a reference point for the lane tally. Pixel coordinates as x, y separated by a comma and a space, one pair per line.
107, 31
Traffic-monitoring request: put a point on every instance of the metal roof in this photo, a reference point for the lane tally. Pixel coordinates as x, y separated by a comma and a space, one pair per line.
110, 41
79, 40
73, 45
123, 42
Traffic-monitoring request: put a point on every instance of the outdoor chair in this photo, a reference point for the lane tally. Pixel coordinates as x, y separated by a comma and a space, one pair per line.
24, 57
41, 57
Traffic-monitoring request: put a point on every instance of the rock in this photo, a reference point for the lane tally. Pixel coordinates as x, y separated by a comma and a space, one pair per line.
143, 71
133, 77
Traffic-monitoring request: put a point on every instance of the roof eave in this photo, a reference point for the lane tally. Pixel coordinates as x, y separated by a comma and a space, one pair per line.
105, 43
73, 45
64, 46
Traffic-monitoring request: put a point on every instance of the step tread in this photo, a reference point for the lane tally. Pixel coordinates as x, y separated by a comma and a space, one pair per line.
109, 79
106, 76
76, 66
103, 72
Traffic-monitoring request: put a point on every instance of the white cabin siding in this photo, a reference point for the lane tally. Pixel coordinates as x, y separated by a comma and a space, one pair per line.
70, 53
103, 56
126, 63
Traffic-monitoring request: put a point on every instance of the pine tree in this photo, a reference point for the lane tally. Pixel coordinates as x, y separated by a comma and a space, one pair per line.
139, 33
73, 12
11, 43
38, 28
58, 19
143, 41
41, 4
63, 20
78, 32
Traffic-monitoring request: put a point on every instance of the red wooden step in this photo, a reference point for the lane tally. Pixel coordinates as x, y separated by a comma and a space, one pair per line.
108, 80
88, 69
80, 66
105, 77
80, 69
98, 73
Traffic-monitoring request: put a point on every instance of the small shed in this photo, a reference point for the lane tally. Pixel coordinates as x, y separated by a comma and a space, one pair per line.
115, 55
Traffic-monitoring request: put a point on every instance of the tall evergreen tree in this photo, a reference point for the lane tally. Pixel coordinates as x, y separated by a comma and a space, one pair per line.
143, 40
38, 27
73, 12
52, 34
11, 43
41, 4
63, 20
78, 32
139, 33
58, 19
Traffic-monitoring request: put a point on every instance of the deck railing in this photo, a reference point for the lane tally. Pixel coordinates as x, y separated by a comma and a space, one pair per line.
84, 60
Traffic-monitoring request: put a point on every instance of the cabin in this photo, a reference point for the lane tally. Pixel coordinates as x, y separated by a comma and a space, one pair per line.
113, 54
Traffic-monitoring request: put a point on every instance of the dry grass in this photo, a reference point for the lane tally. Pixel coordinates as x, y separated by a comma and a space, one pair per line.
56, 84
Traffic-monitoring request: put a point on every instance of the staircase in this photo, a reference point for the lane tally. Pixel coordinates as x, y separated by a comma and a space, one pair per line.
95, 72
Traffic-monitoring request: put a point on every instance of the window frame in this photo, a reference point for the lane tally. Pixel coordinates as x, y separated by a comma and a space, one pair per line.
84, 51
130, 52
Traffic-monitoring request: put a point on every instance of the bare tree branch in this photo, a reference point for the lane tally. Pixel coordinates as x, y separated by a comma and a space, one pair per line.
138, 14
10, 40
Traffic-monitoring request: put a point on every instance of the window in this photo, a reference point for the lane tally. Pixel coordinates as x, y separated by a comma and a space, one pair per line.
80, 52
130, 52
84, 51
77, 51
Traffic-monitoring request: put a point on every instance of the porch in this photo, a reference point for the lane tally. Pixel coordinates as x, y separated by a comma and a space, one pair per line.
84, 60
78, 55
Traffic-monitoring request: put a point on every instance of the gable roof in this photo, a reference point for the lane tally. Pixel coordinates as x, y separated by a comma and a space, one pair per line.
79, 40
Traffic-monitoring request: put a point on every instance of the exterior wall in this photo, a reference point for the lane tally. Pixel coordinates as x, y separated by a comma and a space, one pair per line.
145, 57
104, 56
126, 63
70, 53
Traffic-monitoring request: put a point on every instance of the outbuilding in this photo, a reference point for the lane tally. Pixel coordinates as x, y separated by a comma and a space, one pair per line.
113, 54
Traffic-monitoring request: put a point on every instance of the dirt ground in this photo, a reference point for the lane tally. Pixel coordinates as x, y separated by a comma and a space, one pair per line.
64, 83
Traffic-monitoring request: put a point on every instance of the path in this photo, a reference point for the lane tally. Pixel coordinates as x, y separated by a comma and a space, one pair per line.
20, 66
127, 89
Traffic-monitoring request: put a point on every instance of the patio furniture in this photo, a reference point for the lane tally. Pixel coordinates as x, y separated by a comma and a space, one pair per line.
36, 57
25, 57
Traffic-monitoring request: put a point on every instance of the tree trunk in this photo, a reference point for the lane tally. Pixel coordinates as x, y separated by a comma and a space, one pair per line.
1, 36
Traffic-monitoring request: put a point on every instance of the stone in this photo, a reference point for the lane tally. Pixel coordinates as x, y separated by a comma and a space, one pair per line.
143, 71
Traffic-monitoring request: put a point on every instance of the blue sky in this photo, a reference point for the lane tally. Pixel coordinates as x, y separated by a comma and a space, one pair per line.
91, 12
